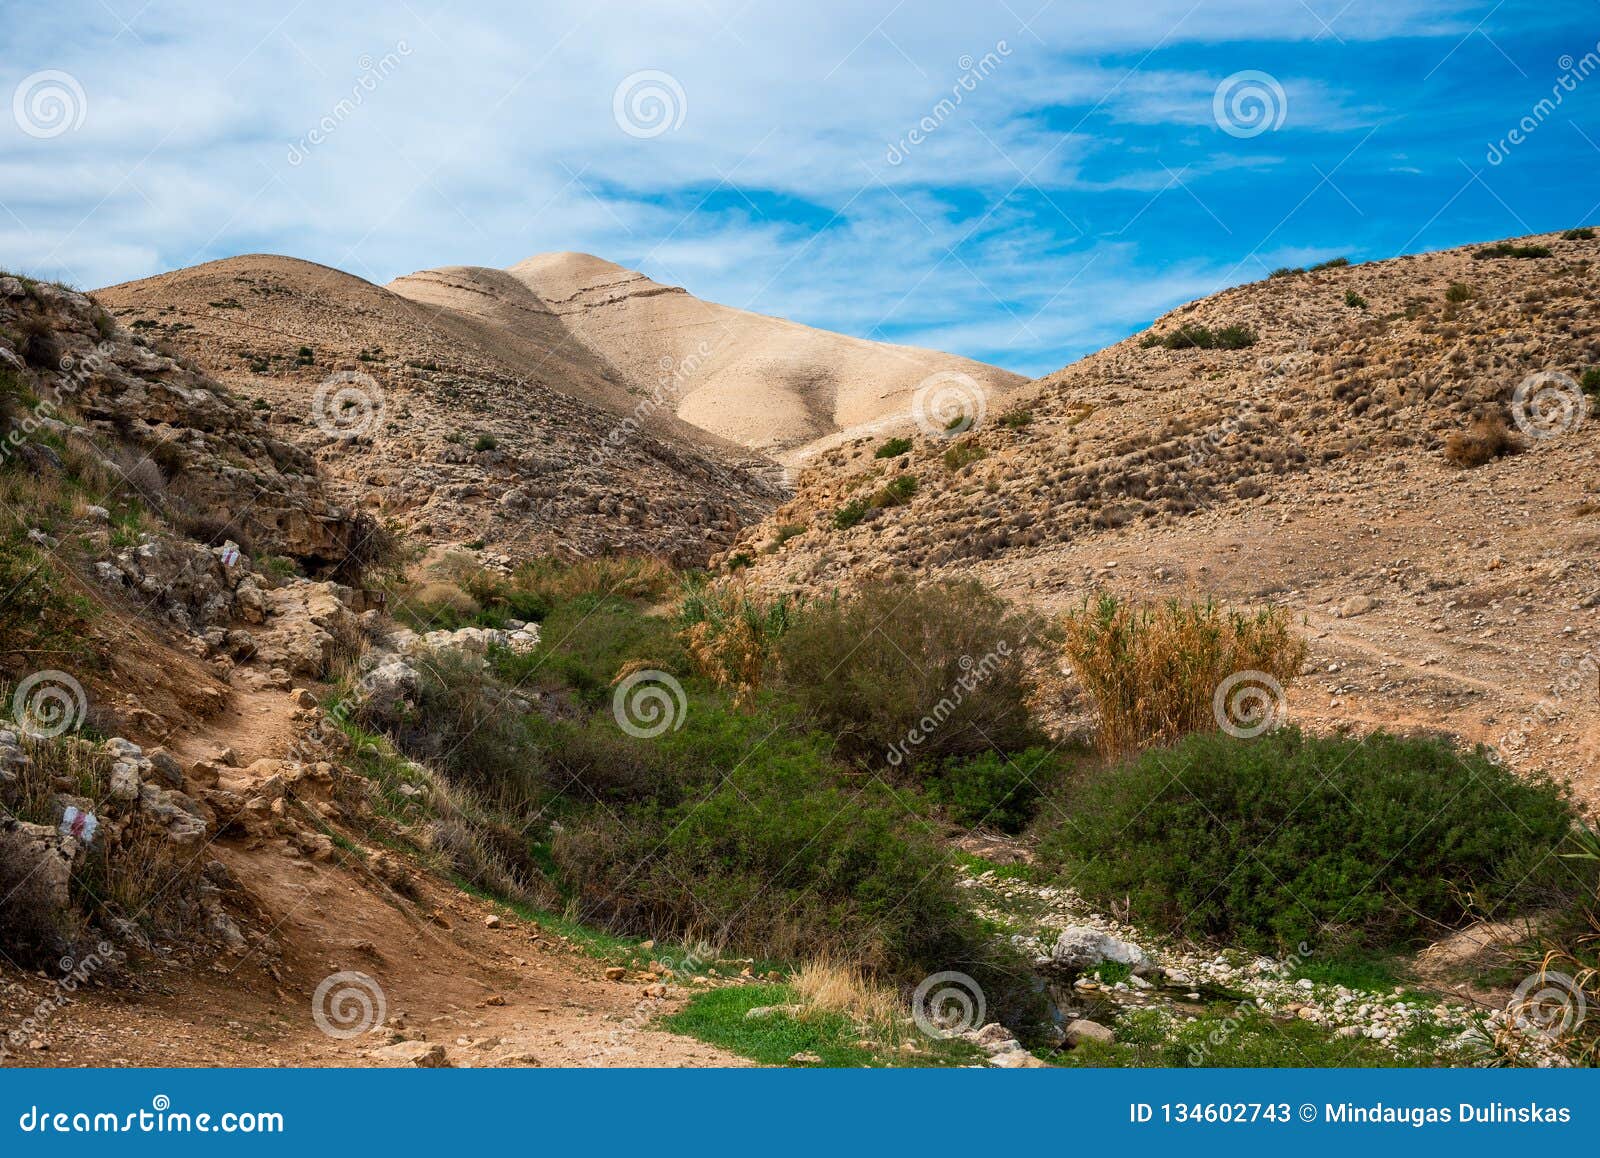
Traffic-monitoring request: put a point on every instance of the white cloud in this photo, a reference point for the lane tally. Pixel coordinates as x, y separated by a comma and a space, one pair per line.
492, 137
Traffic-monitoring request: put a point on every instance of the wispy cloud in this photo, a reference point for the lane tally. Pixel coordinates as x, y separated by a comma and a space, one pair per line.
1079, 186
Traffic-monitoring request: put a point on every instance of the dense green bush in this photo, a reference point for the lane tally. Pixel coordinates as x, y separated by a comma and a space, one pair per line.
1332, 841
903, 674
996, 789
781, 858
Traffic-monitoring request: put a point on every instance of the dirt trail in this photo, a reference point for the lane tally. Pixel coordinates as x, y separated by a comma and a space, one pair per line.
453, 970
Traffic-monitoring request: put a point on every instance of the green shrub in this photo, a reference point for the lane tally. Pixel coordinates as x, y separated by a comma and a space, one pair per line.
1354, 300
1506, 249
1016, 419
465, 725
1582, 233
897, 492
996, 789
1591, 381
780, 859
902, 673
1285, 271
850, 514
963, 454
485, 442
1331, 263
1337, 842
894, 448
1233, 337
1459, 292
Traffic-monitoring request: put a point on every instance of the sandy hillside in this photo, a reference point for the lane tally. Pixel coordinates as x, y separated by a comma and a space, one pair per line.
760, 382
460, 428
1307, 469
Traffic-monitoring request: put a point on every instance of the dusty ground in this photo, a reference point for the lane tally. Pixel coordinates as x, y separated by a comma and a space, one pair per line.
509, 995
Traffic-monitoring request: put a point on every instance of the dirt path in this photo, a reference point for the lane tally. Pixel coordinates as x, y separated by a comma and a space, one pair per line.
450, 969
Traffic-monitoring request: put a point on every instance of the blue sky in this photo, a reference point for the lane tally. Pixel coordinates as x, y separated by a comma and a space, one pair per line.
1088, 178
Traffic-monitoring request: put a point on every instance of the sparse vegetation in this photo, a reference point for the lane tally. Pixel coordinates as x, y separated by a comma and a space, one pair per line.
1354, 300
1459, 292
964, 454
1582, 233
1331, 263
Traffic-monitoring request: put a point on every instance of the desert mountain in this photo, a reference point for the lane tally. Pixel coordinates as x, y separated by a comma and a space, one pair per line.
461, 428
756, 381
1324, 463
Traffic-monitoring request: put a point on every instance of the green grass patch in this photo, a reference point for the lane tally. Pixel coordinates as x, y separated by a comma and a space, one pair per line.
718, 1017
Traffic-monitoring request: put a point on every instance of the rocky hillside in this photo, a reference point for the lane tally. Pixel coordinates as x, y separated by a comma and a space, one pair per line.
459, 430
1307, 439
758, 382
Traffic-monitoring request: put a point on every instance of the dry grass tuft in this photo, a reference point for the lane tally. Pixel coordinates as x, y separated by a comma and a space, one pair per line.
1153, 671
1488, 438
825, 986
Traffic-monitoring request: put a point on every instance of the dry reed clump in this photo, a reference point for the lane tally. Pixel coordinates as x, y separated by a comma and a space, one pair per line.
1153, 671
1486, 439
732, 634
